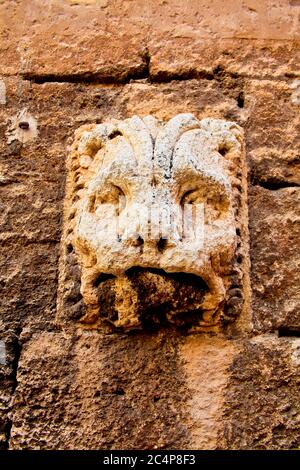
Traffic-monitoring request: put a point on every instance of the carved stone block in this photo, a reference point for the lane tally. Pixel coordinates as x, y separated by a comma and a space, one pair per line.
155, 224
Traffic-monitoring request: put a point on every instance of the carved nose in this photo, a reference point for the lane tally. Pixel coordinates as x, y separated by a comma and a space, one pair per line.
162, 244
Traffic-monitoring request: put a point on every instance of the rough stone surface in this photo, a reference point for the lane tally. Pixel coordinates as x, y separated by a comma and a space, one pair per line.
214, 58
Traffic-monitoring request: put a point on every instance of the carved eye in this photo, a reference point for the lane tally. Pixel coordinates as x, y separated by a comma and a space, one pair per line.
215, 204
112, 195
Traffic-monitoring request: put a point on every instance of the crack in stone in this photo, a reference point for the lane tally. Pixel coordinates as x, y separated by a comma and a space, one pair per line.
275, 185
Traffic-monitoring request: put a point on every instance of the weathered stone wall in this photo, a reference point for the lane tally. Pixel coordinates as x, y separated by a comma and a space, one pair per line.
65, 63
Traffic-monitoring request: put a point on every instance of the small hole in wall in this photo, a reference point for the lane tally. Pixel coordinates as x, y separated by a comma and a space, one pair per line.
241, 100
238, 232
119, 391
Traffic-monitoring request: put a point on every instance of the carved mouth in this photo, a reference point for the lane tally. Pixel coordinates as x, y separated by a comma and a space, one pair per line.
149, 297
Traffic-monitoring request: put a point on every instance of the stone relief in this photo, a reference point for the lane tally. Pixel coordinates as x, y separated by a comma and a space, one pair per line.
155, 218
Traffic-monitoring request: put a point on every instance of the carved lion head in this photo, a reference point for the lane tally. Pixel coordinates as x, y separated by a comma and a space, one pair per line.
153, 218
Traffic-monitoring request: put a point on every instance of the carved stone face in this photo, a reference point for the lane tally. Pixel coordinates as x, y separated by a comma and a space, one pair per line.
153, 214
